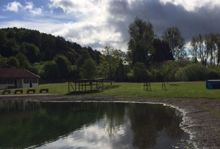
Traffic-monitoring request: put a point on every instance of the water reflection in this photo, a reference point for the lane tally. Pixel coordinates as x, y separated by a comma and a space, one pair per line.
91, 126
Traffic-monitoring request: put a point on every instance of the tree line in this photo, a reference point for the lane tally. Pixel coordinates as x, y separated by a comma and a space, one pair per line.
165, 58
149, 57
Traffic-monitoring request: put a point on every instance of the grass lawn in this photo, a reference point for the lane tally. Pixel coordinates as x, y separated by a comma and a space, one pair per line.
174, 90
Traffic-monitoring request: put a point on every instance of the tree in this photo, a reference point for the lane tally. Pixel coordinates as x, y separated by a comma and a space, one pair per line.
89, 69
108, 52
23, 61
141, 40
140, 73
199, 49
194, 52
120, 73
2, 43
211, 47
31, 51
176, 42
161, 52
110, 61
218, 47
3, 62
50, 70
9, 48
64, 66
13, 62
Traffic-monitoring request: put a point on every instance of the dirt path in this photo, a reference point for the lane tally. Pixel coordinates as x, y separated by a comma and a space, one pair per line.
201, 117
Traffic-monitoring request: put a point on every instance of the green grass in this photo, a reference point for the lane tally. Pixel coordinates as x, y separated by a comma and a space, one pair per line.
174, 90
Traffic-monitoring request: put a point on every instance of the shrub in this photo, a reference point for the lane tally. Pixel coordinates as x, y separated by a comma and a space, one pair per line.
192, 72
213, 74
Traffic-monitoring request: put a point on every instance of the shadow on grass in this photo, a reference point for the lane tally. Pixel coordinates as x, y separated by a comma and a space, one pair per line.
106, 87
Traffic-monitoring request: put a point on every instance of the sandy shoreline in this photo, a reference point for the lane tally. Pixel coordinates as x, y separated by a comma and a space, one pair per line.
201, 117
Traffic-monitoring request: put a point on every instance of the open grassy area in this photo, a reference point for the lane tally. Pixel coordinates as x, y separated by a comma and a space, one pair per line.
174, 90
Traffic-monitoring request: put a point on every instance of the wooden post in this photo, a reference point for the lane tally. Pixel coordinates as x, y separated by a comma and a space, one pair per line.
68, 87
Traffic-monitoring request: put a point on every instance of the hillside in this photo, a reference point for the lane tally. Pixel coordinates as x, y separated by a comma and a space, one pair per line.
33, 50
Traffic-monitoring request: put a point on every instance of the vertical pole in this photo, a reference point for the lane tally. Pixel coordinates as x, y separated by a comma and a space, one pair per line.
68, 87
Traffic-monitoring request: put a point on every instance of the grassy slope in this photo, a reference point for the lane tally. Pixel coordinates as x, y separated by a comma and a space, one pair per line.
174, 90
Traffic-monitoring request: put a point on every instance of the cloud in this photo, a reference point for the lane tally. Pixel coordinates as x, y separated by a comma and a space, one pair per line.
193, 5
44, 26
163, 15
91, 27
13, 6
98, 23
28, 6
106, 22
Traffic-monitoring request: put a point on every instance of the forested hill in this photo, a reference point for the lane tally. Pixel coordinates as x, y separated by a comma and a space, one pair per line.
31, 49
38, 46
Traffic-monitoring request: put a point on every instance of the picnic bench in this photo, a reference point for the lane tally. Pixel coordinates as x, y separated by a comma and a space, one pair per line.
44, 90
4, 92
19, 91
31, 91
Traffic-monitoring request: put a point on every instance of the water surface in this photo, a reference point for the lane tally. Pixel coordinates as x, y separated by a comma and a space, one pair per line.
91, 126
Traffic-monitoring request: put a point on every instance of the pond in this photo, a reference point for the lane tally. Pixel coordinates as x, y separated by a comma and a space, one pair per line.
91, 126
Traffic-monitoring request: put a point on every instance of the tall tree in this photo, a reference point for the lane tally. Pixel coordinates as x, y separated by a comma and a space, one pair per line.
64, 66
161, 52
89, 69
194, 52
141, 41
211, 47
175, 40
201, 48
218, 48
13, 62
31, 51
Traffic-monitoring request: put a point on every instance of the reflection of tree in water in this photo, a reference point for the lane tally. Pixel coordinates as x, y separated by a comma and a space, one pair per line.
115, 117
148, 121
23, 129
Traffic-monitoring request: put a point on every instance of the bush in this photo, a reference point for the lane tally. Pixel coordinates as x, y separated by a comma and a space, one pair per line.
213, 74
180, 75
170, 68
192, 72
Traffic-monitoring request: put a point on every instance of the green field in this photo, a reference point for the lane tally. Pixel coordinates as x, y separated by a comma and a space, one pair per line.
174, 90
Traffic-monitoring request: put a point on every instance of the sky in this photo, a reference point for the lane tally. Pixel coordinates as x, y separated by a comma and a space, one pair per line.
100, 23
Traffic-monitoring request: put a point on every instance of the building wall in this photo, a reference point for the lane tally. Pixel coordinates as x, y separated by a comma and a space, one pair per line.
6, 85
20, 83
29, 83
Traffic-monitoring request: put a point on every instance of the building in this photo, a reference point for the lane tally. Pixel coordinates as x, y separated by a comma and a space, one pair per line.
17, 78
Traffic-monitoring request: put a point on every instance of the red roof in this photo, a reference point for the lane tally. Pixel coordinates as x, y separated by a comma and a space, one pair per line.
16, 73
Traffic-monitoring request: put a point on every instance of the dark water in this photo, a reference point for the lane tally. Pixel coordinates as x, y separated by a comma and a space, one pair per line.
91, 126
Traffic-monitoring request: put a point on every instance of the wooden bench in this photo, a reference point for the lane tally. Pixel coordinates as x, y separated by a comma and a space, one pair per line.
31, 91
44, 90
5, 92
18, 92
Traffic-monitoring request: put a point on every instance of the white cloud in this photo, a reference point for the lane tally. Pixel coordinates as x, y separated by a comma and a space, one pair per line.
44, 26
13, 6
28, 6
98, 23
192, 5
92, 27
